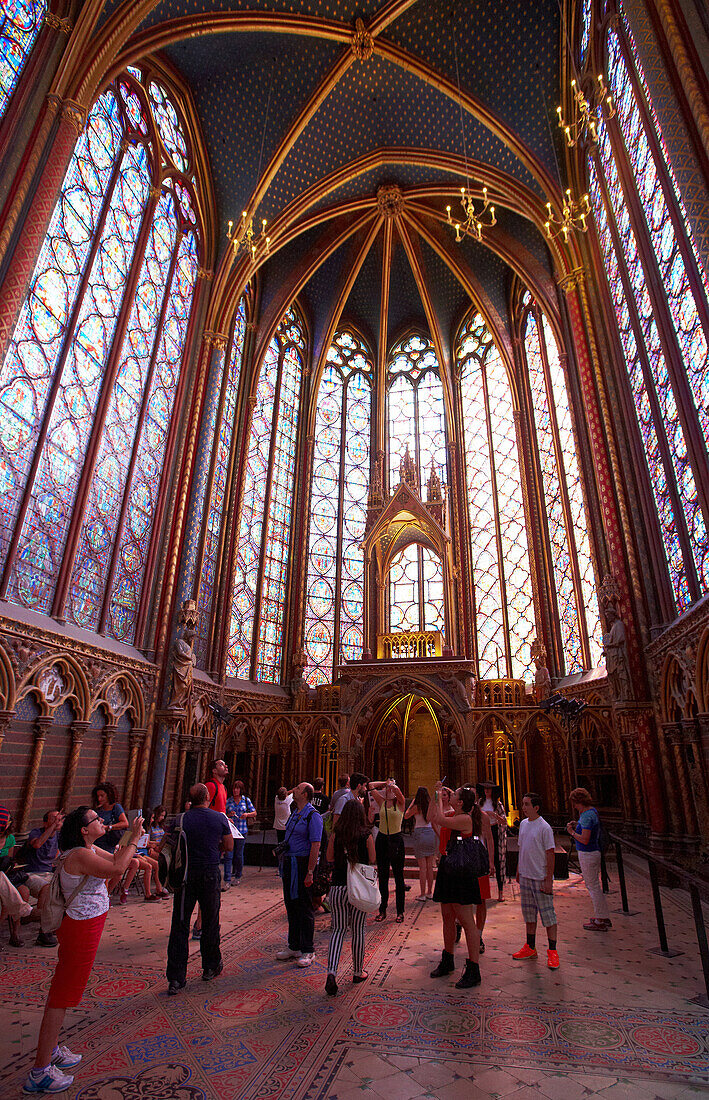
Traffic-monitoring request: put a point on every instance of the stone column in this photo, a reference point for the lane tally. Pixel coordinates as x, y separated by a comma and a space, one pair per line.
135, 740
108, 735
697, 777
78, 732
5, 717
42, 726
180, 777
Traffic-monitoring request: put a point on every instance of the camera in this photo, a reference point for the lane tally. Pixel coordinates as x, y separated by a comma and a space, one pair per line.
281, 849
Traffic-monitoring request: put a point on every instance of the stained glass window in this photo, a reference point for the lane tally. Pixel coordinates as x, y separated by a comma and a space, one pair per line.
20, 21
577, 606
91, 373
586, 8
416, 421
225, 432
504, 612
338, 510
258, 602
663, 337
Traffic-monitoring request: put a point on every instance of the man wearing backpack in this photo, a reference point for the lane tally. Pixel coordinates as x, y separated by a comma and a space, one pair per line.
205, 836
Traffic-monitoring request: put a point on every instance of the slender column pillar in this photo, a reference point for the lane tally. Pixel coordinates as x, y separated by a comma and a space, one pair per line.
180, 777
135, 740
108, 735
260, 795
19, 272
42, 726
5, 716
638, 793
697, 777
78, 732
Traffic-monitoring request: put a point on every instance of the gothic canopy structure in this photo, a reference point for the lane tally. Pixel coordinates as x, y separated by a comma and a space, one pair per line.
354, 405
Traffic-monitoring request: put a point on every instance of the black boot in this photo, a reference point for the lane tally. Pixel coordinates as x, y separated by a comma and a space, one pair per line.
445, 966
469, 977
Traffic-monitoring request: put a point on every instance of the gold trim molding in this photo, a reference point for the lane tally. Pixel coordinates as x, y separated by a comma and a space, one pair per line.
56, 24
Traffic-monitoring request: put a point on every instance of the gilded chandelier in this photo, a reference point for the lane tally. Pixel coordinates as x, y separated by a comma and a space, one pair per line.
573, 217
583, 125
244, 239
473, 226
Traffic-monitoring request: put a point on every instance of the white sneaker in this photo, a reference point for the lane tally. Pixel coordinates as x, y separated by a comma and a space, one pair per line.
287, 953
50, 1080
64, 1058
306, 959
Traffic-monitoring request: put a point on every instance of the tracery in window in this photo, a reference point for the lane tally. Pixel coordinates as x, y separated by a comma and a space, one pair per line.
577, 605
20, 22
338, 510
663, 337
416, 419
504, 611
89, 380
222, 457
256, 631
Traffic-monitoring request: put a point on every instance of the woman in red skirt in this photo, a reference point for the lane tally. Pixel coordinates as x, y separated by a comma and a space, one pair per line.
84, 871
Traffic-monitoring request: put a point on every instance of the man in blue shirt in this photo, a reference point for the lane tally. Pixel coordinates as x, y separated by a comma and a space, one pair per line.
303, 836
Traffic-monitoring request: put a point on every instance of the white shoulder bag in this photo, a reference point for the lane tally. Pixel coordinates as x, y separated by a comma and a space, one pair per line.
363, 887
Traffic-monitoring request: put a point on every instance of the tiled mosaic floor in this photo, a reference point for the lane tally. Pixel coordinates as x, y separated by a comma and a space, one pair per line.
613, 1021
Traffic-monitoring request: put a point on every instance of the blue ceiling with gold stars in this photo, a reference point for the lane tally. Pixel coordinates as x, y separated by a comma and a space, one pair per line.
399, 107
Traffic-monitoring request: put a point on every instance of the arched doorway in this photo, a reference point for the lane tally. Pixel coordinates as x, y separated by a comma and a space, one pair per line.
406, 743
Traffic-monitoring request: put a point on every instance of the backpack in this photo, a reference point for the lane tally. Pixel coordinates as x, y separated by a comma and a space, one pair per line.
173, 859
56, 905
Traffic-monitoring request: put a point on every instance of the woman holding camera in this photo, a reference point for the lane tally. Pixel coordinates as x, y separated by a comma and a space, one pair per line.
458, 895
390, 844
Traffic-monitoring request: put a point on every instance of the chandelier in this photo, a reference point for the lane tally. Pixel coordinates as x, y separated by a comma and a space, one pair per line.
583, 125
572, 220
473, 224
244, 239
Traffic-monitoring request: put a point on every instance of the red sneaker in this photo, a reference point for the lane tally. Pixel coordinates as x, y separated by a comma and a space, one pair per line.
526, 952
552, 959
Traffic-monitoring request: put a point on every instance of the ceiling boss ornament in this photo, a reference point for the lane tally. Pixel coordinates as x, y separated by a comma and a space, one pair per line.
362, 41
390, 200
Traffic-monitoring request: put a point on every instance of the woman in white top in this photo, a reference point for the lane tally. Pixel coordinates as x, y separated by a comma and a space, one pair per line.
83, 871
425, 841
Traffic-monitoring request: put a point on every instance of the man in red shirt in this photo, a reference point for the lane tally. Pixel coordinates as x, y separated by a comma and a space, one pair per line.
218, 772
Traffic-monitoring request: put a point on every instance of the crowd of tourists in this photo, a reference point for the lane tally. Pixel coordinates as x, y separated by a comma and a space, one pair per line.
337, 854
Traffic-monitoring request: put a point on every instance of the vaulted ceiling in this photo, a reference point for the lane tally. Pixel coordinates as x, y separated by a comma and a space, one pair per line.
303, 132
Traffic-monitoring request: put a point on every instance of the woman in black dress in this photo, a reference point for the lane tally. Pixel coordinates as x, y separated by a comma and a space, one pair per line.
458, 896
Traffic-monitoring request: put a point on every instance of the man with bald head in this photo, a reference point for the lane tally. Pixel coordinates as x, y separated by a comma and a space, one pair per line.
207, 835
297, 865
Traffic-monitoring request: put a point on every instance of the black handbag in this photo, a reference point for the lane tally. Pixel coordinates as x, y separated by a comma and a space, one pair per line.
467, 857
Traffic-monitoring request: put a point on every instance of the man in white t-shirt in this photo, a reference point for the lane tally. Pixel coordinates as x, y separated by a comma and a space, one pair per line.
535, 875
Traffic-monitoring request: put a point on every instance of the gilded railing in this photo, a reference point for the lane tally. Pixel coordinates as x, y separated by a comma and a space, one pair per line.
411, 644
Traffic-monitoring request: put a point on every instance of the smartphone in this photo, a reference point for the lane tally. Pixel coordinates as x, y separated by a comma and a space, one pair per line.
139, 813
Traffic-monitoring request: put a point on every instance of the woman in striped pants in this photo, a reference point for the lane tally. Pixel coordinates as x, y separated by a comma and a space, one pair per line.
351, 840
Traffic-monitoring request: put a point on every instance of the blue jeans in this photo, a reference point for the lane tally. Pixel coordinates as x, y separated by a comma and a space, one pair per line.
235, 859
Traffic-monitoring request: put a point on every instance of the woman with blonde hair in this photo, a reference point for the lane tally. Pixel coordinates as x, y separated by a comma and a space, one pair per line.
586, 832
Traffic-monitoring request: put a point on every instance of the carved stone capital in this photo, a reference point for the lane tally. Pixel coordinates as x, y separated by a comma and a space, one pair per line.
571, 280
70, 110
56, 24
204, 273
